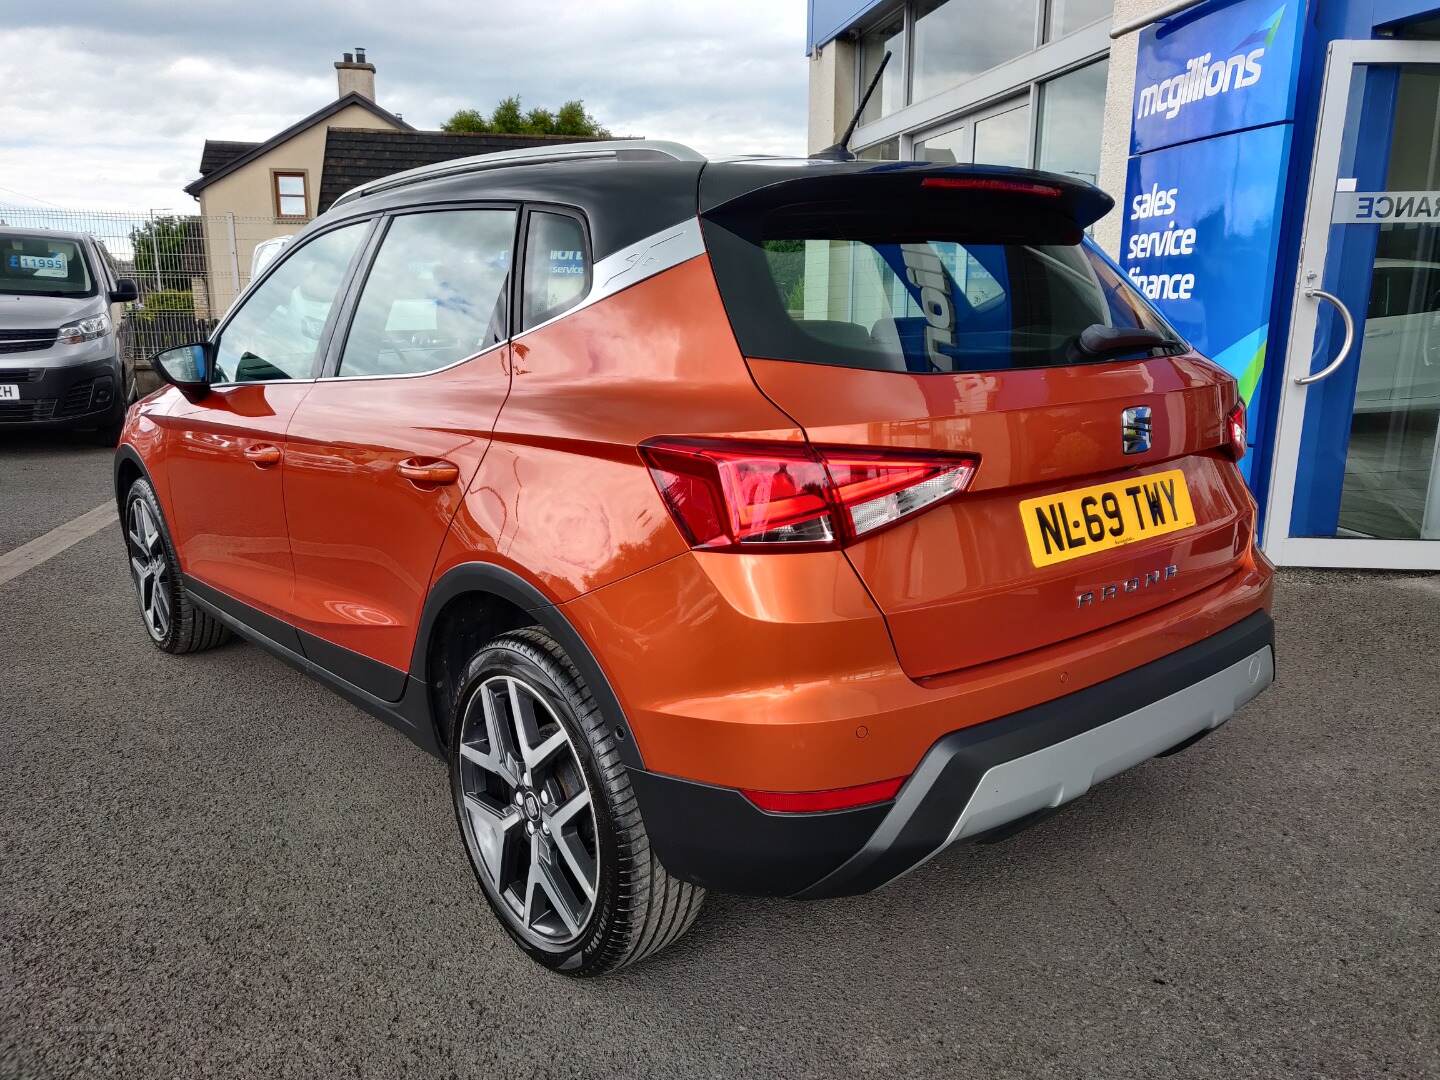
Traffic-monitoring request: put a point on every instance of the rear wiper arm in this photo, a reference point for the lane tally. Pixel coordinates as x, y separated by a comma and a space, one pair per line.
1101, 340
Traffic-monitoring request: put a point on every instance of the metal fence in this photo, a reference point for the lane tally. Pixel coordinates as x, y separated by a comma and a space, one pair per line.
188, 268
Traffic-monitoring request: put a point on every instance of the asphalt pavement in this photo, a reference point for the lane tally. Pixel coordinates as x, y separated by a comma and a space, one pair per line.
210, 866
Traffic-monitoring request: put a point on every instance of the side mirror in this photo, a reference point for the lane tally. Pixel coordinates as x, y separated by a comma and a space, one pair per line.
186, 367
125, 290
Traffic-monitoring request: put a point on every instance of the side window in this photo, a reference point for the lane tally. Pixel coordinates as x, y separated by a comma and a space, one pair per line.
557, 267
435, 293
276, 333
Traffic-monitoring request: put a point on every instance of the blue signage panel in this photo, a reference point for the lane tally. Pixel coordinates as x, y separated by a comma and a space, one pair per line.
1229, 67
1202, 224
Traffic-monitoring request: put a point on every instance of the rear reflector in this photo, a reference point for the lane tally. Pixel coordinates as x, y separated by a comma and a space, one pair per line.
742, 495
1235, 431
814, 802
992, 183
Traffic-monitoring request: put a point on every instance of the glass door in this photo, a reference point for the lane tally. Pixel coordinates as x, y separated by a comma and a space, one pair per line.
1357, 458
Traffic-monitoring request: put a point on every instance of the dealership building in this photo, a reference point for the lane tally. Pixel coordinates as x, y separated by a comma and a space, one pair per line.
1276, 171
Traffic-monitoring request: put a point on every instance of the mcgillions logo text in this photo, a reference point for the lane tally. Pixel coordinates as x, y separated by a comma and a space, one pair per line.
1201, 79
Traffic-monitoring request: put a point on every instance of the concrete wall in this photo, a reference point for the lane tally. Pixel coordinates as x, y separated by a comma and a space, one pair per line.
832, 93
1115, 140
248, 194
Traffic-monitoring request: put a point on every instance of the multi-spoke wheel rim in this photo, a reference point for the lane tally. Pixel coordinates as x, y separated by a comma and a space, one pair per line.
528, 816
149, 568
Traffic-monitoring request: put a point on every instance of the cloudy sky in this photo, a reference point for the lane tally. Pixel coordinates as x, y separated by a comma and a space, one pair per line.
106, 105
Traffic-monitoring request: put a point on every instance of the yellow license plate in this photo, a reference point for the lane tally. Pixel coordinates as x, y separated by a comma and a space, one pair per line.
1091, 519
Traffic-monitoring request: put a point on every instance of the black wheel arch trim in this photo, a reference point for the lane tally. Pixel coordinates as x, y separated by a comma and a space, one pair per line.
484, 577
125, 454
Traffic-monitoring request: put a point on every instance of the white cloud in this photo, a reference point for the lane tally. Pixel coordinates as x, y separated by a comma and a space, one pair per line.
107, 106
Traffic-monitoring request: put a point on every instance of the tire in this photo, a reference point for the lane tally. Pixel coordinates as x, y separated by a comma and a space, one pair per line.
175, 624
533, 854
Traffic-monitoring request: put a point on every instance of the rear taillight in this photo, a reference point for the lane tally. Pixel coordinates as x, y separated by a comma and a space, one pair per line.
741, 495
1235, 431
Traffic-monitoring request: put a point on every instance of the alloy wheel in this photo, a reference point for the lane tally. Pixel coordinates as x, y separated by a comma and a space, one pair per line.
528, 813
150, 568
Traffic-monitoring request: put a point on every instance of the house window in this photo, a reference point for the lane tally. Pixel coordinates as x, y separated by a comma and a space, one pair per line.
290, 199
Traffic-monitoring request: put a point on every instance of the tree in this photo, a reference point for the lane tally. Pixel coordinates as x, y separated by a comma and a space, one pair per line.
508, 118
177, 242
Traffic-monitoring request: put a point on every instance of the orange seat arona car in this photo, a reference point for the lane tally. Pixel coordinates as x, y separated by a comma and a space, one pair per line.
756, 525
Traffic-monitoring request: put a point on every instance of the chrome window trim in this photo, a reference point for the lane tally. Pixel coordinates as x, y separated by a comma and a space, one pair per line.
262, 382
417, 374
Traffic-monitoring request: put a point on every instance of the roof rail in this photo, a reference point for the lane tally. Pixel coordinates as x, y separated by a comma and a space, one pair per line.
530, 155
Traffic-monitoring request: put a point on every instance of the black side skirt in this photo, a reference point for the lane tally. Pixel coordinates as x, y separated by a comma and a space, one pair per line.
408, 713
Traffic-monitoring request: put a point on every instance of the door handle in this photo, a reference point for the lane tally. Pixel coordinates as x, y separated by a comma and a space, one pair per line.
1345, 346
263, 455
429, 473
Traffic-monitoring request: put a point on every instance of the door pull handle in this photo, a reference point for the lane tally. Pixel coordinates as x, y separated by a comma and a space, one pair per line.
429, 473
1345, 346
262, 455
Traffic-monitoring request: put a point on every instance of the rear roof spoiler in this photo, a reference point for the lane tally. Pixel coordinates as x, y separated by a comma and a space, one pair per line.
742, 187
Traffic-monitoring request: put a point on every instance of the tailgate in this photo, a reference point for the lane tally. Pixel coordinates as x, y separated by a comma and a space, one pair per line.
958, 584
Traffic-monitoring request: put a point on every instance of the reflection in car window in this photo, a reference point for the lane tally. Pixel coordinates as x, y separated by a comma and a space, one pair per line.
276, 333
435, 294
557, 266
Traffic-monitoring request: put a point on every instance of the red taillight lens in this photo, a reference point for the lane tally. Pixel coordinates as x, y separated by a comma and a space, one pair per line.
724, 495
1235, 431
991, 183
814, 802
743, 495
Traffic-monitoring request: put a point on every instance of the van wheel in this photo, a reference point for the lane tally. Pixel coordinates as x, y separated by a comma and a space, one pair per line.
549, 820
173, 622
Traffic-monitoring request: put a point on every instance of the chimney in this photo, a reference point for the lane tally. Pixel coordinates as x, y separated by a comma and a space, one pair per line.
353, 74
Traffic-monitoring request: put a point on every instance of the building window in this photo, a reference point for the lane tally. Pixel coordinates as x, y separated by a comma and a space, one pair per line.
1004, 138
998, 136
1072, 110
889, 37
955, 40
1049, 121
889, 150
290, 198
1067, 16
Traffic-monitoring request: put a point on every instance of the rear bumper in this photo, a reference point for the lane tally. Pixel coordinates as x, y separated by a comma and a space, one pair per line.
971, 782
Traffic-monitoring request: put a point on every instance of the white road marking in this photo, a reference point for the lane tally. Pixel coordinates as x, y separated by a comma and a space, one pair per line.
30, 555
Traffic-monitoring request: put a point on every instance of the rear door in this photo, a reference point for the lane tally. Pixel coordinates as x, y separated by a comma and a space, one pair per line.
950, 318
383, 447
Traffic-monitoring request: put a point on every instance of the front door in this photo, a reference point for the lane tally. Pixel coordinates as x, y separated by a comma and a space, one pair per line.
226, 451
383, 447
1357, 462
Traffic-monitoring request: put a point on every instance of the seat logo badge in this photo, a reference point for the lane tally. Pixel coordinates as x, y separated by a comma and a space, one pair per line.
1135, 428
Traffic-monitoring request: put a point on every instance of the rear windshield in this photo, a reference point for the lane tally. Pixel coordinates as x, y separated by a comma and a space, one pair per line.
44, 266
920, 304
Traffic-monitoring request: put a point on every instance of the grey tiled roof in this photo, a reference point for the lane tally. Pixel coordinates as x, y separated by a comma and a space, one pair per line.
358, 155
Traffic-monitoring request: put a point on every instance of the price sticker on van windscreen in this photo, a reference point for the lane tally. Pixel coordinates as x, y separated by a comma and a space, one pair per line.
1092, 519
54, 265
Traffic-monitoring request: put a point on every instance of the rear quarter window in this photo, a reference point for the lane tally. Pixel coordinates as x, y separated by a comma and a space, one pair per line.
557, 266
